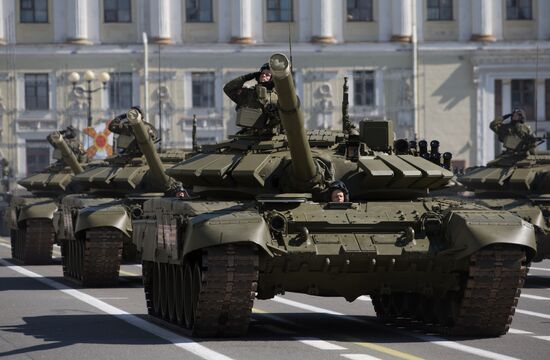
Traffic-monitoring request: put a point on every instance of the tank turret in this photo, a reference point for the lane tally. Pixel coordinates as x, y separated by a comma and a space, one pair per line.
67, 154
304, 168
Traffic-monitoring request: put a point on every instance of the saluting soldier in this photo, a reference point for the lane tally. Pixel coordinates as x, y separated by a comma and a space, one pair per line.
516, 136
256, 106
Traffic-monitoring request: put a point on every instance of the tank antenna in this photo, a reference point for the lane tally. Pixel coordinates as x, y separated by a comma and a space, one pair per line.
346, 125
536, 86
194, 133
290, 48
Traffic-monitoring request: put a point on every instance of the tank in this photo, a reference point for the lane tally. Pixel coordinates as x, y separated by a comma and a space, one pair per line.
517, 181
96, 225
260, 223
32, 214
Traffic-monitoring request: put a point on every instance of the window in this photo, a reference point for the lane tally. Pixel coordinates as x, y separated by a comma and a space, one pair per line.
37, 155
523, 97
359, 10
279, 10
120, 91
198, 10
519, 10
117, 11
547, 100
36, 92
440, 9
203, 89
33, 11
363, 88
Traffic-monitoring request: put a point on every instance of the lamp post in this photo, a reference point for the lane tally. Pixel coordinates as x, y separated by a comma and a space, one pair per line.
89, 76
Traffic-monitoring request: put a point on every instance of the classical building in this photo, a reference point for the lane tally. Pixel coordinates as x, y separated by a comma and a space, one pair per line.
441, 69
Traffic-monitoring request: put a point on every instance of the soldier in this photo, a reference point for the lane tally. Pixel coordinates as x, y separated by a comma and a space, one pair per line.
338, 192
516, 136
70, 134
256, 106
126, 142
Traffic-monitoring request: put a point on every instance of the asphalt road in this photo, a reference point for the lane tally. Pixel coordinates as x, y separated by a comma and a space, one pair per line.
44, 317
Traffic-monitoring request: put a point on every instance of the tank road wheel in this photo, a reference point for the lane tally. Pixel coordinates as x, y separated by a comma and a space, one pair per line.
224, 288
95, 260
164, 290
156, 289
147, 272
171, 291
178, 294
484, 306
33, 244
188, 311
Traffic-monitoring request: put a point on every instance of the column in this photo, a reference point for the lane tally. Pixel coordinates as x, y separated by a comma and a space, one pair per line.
77, 22
3, 40
160, 22
241, 22
543, 24
483, 17
506, 96
322, 17
402, 20
540, 94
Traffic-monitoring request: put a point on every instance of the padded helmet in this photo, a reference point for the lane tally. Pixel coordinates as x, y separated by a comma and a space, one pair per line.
338, 185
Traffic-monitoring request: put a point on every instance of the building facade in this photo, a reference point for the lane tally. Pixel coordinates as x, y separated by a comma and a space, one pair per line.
440, 69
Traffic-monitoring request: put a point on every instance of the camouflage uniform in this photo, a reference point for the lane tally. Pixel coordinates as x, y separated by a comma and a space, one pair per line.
515, 136
260, 98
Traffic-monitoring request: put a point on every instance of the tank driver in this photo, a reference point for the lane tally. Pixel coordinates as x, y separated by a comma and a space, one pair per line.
256, 106
516, 136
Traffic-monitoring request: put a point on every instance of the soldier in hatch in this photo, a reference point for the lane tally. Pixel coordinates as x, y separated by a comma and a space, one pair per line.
516, 136
126, 142
70, 134
338, 192
256, 106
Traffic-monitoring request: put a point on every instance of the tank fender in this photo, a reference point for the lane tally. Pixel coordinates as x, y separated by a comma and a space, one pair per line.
467, 231
213, 228
114, 216
41, 210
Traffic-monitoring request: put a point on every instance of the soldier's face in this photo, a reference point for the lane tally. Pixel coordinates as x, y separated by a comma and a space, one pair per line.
337, 196
265, 76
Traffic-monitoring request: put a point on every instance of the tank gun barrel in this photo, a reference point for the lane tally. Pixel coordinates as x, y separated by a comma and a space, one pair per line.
292, 118
147, 147
67, 154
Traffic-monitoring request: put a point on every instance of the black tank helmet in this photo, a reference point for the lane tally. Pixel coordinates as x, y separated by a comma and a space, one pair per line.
520, 114
268, 84
338, 185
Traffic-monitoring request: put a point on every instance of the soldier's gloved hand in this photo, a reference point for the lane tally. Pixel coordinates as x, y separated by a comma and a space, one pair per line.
504, 117
251, 76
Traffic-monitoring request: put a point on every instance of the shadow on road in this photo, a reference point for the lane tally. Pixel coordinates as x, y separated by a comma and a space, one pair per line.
58, 331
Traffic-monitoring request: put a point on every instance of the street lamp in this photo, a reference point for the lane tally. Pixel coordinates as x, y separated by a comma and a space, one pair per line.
89, 76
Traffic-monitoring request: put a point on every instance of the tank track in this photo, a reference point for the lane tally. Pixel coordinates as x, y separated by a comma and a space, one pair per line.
33, 244
483, 307
215, 300
95, 260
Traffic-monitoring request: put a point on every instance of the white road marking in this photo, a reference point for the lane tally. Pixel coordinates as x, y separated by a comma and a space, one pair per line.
532, 313
178, 340
319, 344
112, 298
5, 245
534, 297
547, 338
518, 331
359, 357
429, 338
539, 269
364, 298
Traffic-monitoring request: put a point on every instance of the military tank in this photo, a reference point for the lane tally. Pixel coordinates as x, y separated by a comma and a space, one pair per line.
96, 226
261, 223
518, 180
31, 216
